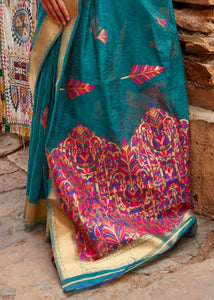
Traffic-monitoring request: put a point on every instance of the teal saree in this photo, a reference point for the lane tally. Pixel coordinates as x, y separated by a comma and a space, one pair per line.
109, 150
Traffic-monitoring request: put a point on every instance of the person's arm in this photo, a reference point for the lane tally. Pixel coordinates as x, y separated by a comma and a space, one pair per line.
57, 10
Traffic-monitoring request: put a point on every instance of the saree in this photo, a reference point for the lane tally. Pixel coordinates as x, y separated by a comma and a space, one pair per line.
109, 148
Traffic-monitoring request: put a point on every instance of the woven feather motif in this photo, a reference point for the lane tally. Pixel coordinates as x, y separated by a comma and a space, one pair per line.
44, 118
95, 28
128, 164
103, 36
143, 73
113, 233
162, 22
76, 88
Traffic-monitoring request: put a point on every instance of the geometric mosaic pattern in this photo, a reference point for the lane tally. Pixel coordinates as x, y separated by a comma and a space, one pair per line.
19, 70
17, 26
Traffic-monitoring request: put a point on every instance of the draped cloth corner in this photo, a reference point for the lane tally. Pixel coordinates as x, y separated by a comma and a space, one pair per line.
110, 139
77, 274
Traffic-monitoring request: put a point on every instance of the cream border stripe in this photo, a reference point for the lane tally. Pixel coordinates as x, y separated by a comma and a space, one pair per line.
48, 33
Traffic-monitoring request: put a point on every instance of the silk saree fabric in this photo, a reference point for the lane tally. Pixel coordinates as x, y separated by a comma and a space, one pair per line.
109, 151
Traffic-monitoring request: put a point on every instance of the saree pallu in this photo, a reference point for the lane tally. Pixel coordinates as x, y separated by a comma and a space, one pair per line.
110, 138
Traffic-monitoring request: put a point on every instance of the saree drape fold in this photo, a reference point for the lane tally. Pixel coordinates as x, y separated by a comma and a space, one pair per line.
110, 138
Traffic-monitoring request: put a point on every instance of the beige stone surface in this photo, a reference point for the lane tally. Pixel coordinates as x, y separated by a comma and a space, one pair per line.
202, 160
7, 167
194, 19
11, 201
192, 282
20, 158
12, 181
27, 268
9, 143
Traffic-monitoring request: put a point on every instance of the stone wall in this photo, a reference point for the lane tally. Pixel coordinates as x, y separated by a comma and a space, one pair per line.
196, 32
195, 20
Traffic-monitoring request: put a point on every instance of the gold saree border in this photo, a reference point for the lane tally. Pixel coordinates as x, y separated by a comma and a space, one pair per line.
72, 269
73, 8
48, 33
35, 213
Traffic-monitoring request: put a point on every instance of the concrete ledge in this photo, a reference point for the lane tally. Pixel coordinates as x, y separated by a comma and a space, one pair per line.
202, 160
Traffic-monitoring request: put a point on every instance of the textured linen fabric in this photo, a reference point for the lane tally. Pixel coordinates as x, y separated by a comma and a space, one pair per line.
110, 134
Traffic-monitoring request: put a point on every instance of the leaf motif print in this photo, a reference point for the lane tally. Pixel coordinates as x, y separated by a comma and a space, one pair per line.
128, 163
143, 73
103, 37
113, 233
76, 88
95, 28
162, 22
44, 118
142, 186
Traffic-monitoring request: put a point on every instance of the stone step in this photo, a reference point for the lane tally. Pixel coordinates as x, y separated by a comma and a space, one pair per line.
196, 32
9, 143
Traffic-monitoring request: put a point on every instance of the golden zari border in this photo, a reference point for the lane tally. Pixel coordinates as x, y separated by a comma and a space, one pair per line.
35, 213
74, 271
73, 8
48, 33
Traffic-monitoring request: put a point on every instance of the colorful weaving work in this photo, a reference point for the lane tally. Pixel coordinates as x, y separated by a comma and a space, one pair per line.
142, 187
17, 24
110, 138
76, 88
98, 32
